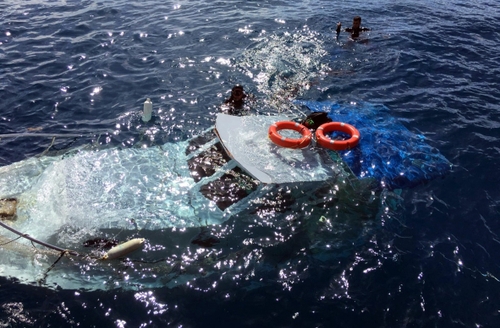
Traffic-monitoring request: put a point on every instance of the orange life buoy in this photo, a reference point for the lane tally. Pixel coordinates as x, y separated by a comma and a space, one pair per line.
289, 142
326, 142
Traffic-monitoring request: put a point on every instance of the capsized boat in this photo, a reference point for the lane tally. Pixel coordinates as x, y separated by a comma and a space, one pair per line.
66, 199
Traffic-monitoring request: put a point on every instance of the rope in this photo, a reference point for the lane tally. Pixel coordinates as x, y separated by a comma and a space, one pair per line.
51, 144
10, 241
42, 280
44, 135
50, 135
34, 240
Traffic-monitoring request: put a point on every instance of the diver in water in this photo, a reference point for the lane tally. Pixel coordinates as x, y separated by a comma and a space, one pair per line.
355, 29
314, 120
235, 103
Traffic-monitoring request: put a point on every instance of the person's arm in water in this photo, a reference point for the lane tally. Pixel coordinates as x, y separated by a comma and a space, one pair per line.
355, 29
361, 29
339, 26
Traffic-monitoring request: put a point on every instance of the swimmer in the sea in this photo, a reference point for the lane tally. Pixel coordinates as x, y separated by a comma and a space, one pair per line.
355, 29
234, 105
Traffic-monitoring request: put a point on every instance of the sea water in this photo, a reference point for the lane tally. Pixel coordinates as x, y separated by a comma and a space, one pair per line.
424, 256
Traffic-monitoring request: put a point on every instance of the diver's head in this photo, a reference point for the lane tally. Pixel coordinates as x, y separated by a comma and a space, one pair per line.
237, 93
356, 22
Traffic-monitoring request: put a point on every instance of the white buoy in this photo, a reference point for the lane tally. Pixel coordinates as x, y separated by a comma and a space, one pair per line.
148, 110
123, 249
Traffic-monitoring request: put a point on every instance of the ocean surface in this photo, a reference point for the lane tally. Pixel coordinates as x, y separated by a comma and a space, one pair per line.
421, 257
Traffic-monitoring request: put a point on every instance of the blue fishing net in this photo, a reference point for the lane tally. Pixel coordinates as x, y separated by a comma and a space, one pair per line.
387, 150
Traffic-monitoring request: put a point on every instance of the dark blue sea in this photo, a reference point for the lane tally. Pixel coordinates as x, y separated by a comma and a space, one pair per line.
426, 256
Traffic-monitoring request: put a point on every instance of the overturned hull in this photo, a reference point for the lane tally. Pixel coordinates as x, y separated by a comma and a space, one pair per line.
173, 185
66, 199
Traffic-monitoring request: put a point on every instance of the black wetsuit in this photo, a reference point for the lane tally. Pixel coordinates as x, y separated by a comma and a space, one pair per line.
355, 31
315, 120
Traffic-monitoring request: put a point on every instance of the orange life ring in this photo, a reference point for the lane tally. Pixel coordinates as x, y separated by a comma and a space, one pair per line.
326, 142
289, 142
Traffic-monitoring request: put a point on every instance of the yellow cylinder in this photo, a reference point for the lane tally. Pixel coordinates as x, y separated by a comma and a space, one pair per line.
124, 249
